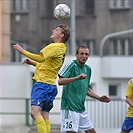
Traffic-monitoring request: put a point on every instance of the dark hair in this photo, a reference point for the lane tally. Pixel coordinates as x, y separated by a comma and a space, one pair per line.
65, 31
81, 46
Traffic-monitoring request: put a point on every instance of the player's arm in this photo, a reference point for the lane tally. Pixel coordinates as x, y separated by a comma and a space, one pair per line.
91, 94
29, 62
129, 101
64, 81
103, 98
35, 57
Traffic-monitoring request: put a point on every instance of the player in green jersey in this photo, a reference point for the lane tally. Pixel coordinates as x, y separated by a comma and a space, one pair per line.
75, 78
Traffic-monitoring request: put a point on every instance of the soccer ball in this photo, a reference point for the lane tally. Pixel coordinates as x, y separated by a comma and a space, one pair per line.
62, 12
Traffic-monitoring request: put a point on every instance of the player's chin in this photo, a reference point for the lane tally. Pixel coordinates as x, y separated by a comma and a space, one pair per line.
83, 61
51, 37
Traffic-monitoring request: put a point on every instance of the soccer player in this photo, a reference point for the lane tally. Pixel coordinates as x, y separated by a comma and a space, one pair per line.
47, 63
75, 78
128, 122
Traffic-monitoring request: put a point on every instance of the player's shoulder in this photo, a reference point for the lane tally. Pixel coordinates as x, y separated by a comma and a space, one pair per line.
59, 44
66, 67
48, 47
52, 45
131, 81
87, 66
71, 63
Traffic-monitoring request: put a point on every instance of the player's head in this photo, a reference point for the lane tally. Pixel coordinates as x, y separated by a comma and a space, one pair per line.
61, 33
65, 31
82, 54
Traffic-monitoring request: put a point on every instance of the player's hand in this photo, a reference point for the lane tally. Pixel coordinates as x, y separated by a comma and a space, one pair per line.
82, 76
105, 99
18, 48
28, 61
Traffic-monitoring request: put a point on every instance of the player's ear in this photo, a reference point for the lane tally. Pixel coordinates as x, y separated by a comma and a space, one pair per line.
62, 35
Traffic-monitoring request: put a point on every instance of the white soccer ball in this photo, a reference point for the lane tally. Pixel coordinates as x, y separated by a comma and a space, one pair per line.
62, 12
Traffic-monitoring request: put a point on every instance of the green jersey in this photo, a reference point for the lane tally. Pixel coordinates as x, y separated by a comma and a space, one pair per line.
74, 93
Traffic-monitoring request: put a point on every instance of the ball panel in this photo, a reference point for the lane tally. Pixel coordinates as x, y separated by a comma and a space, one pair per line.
62, 11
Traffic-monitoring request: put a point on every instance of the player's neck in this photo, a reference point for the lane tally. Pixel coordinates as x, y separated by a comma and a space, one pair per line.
80, 63
59, 40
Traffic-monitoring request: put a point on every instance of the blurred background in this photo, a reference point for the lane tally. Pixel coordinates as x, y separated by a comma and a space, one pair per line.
104, 26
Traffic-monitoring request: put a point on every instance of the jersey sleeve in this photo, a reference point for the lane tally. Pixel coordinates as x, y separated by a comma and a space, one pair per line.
129, 89
66, 70
51, 50
35, 57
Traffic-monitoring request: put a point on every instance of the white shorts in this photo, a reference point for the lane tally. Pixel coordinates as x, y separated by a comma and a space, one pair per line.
76, 122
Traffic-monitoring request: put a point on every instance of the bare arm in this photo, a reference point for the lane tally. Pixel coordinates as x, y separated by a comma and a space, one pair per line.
91, 94
129, 101
18, 48
63, 81
35, 57
95, 96
29, 62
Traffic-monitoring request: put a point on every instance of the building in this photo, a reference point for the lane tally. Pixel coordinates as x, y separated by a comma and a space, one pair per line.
100, 24
5, 32
32, 22
105, 81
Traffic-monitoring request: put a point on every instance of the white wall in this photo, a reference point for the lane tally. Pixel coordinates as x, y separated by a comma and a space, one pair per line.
16, 82
117, 67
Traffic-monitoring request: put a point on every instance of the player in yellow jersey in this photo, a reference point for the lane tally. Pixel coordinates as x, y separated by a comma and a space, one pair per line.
47, 63
128, 122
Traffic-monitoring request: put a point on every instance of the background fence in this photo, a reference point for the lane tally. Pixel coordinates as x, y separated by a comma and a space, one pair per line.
103, 115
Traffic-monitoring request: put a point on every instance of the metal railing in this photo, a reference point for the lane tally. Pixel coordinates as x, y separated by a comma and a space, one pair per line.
107, 115
103, 115
9, 111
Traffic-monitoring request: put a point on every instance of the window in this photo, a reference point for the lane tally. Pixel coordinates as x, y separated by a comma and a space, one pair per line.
120, 4
46, 8
114, 91
86, 7
19, 5
91, 45
89, 6
121, 46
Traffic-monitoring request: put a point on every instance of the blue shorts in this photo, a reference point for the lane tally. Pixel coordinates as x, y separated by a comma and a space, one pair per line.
127, 124
43, 95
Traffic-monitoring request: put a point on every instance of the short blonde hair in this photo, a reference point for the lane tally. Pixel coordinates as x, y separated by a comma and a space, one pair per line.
65, 31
